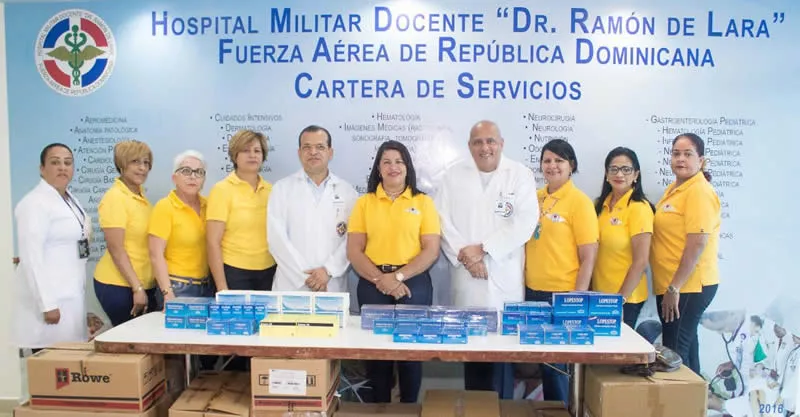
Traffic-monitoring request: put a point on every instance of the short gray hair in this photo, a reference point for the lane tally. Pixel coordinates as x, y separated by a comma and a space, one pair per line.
176, 163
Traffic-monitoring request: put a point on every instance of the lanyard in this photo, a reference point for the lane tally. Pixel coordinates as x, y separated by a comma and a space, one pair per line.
80, 217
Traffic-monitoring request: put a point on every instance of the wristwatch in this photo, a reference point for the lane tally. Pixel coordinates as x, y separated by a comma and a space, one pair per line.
399, 277
672, 290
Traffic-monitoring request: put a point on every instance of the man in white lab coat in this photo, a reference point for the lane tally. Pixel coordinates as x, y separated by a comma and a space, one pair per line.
489, 209
307, 220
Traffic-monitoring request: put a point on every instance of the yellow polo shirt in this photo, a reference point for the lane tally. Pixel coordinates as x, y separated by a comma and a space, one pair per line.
567, 220
692, 207
615, 252
185, 233
394, 228
244, 212
121, 208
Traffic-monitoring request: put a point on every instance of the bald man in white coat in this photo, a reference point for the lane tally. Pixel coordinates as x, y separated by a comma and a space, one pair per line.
489, 209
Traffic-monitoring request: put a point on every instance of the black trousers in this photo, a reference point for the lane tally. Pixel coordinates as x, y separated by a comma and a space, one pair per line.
630, 313
381, 373
246, 279
681, 335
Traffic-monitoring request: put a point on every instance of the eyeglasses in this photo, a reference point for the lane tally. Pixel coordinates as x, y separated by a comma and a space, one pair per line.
614, 170
188, 172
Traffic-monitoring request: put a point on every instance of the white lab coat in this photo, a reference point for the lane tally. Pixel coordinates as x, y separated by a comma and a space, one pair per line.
50, 273
502, 216
304, 234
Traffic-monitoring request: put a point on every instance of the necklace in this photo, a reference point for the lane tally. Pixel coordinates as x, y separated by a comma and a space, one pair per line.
395, 194
538, 231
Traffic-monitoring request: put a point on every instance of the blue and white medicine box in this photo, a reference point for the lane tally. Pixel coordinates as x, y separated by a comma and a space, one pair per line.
538, 317
477, 326
570, 321
511, 322
605, 326
242, 327
297, 302
383, 326
405, 334
196, 323
512, 305
249, 311
259, 312
215, 311
489, 313
453, 335
410, 311
571, 304
583, 335
555, 335
172, 322
217, 327
271, 301
175, 308
237, 311
335, 303
541, 307
197, 306
372, 312
441, 313
605, 304
233, 297
531, 334
226, 311
433, 338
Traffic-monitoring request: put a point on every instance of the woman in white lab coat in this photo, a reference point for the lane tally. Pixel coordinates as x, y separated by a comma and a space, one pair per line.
53, 232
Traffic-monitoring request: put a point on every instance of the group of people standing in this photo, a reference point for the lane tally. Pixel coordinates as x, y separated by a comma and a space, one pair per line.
504, 240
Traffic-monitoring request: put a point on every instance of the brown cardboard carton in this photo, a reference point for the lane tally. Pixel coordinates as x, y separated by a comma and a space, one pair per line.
215, 394
383, 410
294, 384
159, 410
527, 408
67, 379
452, 403
609, 393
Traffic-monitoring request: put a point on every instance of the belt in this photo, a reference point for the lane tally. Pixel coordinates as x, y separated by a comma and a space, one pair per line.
389, 268
188, 280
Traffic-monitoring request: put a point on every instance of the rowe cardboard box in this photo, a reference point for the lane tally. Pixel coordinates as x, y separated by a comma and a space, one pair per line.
215, 394
294, 384
347, 409
452, 403
609, 393
161, 409
527, 408
81, 379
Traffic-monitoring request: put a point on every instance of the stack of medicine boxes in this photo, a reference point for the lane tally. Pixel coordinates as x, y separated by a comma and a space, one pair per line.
575, 318
424, 324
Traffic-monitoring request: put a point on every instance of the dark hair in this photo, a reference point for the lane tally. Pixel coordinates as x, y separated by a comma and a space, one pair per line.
757, 320
314, 129
375, 174
563, 149
638, 190
699, 147
47, 148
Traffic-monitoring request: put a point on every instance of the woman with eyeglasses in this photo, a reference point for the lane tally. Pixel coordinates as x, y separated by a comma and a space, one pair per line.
123, 279
625, 219
178, 233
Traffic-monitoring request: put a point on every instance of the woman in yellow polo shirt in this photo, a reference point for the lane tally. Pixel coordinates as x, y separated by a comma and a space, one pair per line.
123, 279
236, 219
685, 246
560, 255
393, 240
178, 233
625, 220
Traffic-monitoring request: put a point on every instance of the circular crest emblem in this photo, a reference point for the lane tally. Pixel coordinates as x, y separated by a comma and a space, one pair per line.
508, 209
75, 52
341, 228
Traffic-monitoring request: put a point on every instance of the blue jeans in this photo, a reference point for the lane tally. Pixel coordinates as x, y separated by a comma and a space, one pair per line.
554, 384
381, 373
182, 289
630, 313
117, 301
681, 335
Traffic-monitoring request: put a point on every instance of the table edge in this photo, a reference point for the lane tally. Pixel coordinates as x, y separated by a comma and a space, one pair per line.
433, 354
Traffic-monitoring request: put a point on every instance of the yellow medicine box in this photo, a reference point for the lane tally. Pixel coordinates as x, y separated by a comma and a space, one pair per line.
300, 325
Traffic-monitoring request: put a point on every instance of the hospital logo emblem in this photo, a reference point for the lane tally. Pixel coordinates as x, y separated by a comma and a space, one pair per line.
508, 209
341, 228
75, 52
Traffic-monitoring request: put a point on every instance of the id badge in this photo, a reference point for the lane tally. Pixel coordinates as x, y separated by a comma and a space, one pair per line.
83, 248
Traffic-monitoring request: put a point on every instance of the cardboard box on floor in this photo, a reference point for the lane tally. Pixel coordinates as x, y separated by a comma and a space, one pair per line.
384, 410
609, 393
528, 408
452, 403
161, 409
215, 394
74, 377
294, 384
